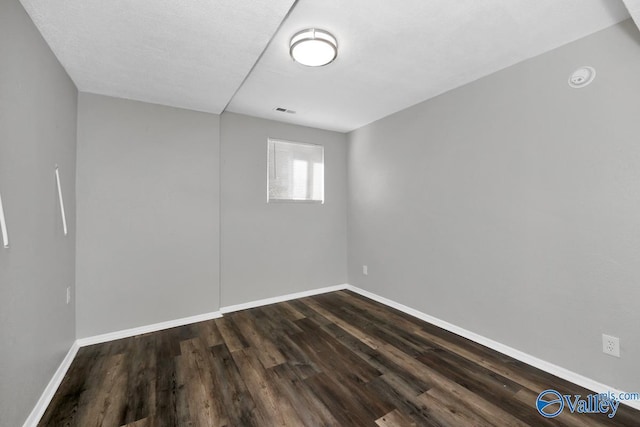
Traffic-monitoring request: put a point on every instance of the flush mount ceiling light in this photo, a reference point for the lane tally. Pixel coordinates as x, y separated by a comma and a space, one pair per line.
313, 47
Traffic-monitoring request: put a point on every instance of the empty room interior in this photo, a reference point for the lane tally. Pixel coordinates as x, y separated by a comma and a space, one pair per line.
319, 213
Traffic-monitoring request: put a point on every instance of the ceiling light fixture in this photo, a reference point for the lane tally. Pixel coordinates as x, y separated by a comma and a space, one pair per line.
313, 47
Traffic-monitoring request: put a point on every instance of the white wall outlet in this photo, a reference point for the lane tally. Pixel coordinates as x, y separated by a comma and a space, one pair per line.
365, 270
68, 294
611, 345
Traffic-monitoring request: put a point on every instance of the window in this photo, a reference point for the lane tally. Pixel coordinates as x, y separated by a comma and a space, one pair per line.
295, 172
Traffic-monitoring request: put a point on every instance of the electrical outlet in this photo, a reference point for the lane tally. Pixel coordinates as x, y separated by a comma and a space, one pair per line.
68, 294
611, 345
365, 270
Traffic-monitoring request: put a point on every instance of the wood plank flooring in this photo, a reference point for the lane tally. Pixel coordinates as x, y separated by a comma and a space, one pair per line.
336, 359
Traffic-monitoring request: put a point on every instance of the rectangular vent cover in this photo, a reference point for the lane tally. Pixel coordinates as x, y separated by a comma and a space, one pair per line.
284, 110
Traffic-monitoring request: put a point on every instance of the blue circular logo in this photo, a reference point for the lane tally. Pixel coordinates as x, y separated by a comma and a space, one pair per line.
546, 403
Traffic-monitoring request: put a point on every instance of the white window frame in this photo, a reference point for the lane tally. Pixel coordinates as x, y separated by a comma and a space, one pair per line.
280, 140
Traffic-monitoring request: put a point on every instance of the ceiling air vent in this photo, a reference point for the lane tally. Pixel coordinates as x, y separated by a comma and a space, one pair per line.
284, 110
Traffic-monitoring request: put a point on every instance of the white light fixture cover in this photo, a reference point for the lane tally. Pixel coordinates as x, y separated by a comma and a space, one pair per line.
313, 47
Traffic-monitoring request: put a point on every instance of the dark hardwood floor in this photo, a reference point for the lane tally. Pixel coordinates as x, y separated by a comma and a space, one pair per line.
336, 359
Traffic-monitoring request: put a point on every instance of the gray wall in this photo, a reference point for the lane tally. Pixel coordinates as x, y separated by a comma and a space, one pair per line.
148, 210
278, 248
37, 131
511, 207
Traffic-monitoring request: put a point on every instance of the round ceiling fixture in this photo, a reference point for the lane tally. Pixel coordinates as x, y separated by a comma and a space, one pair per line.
582, 77
313, 47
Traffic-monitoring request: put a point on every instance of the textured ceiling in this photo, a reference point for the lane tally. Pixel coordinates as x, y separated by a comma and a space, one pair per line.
634, 9
190, 54
396, 54
196, 54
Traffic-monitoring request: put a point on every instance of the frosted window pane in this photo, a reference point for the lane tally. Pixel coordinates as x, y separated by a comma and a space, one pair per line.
296, 171
318, 181
300, 174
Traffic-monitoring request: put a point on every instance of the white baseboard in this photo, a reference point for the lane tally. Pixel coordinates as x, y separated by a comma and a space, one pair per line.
126, 333
556, 370
273, 300
43, 403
